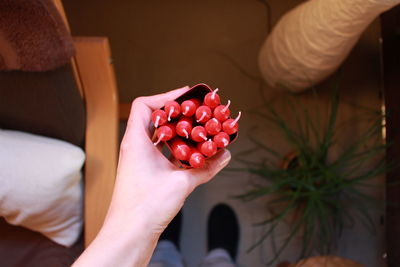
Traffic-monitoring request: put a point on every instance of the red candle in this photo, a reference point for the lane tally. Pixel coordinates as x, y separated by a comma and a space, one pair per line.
196, 159
198, 134
189, 107
230, 126
212, 99
208, 148
222, 112
184, 127
203, 114
173, 109
222, 139
180, 149
213, 126
158, 117
165, 133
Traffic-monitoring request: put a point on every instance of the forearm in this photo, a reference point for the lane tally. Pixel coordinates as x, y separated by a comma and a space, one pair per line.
149, 191
123, 245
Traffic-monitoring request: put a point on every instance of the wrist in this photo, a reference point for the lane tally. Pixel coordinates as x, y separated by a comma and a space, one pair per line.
122, 241
130, 226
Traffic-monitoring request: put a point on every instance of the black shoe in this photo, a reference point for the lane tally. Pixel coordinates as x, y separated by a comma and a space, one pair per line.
223, 230
173, 230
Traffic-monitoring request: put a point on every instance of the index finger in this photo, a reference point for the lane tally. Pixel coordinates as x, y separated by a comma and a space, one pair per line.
142, 107
157, 101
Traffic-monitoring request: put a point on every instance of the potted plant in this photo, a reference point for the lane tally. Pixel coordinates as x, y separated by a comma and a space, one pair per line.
315, 193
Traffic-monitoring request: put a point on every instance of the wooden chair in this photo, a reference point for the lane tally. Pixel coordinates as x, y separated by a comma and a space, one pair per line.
93, 75
98, 85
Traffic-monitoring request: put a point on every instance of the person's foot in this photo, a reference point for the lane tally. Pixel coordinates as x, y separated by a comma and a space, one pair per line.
223, 230
173, 230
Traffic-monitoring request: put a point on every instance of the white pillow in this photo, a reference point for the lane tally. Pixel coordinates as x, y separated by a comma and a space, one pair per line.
40, 185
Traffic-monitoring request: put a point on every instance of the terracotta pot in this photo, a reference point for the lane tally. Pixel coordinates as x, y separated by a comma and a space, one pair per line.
326, 261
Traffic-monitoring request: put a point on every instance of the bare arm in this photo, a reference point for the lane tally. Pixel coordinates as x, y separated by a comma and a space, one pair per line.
149, 192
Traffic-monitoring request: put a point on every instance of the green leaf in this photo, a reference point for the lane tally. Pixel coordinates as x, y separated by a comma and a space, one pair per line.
324, 196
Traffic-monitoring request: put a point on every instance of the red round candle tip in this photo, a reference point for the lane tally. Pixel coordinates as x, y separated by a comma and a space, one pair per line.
196, 159
231, 126
180, 149
203, 114
212, 99
208, 148
172, 109
198, 134
165, 133
222, 112
159, 117
213, 126
184, 127
222, 139
189, 107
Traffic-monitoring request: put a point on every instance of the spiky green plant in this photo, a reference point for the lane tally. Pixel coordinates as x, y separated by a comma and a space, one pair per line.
318, 196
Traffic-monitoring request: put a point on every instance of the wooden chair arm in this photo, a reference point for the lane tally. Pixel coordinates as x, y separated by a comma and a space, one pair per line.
101, 144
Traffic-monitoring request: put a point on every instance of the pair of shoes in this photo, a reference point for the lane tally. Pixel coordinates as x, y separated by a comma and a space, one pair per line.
222, 230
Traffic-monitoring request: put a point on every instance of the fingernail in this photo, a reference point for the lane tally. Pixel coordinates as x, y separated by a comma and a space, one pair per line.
225, 158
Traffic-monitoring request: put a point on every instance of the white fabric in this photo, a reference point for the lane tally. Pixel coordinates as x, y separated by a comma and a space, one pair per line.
311, 41
218, 258
41, 187
166, 255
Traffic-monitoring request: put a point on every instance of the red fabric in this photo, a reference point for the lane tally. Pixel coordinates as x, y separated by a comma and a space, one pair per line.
20, 247
33, 36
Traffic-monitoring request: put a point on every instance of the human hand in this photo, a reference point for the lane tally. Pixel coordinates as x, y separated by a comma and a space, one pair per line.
148, 185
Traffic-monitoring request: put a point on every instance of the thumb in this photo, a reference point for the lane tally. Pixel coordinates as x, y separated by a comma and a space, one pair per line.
212, 166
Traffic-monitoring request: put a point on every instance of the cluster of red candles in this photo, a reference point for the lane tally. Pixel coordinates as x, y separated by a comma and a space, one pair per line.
195, 130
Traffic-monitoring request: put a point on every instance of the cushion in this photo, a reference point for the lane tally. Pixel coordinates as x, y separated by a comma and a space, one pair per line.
41, 187
43, 103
